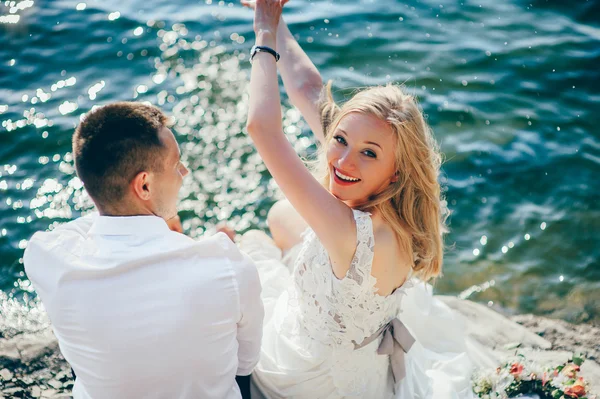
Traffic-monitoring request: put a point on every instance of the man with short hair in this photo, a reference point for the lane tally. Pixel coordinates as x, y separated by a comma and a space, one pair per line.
141, 311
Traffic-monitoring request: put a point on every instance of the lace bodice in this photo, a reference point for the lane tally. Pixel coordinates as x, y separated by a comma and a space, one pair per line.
342, 312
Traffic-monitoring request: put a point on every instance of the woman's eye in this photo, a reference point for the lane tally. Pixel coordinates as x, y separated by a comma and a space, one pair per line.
370, 154
340, 139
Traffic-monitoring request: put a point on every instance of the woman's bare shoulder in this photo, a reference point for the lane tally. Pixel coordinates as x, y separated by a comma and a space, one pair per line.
391, 265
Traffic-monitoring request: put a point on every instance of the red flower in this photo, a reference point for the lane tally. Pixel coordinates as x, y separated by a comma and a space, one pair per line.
516, 369
575, 391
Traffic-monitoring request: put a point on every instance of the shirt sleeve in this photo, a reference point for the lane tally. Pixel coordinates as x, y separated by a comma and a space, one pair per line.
250, 325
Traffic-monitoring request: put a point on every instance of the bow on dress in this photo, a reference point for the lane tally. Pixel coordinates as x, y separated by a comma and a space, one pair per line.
396, 341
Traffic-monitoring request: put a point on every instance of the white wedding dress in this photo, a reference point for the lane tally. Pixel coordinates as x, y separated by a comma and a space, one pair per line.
314, 320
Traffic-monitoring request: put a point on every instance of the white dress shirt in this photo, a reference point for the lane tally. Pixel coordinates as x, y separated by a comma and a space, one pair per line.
140, 311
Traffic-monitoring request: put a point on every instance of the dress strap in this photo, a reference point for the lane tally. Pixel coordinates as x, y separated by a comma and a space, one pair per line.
360, 268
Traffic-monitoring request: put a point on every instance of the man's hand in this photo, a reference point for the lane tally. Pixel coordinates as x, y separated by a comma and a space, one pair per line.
175, 224
223, 227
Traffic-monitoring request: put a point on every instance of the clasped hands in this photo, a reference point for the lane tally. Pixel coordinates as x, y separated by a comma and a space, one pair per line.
266, 14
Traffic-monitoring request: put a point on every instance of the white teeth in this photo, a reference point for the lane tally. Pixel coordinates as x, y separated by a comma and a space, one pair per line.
344, 177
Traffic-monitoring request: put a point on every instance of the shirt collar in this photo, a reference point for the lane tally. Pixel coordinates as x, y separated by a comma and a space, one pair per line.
128, 225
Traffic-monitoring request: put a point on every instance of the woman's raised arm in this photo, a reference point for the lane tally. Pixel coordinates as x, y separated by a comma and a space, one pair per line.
301, 78
331, 219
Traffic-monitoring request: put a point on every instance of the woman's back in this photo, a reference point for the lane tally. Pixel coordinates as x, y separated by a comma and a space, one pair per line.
342, 312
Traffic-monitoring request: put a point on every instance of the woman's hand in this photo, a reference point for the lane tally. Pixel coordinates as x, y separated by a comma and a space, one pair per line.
251, 4
266, 14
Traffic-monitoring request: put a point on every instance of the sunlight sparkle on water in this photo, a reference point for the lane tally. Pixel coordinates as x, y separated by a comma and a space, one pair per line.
114, 15
81, 6
543, 226
67, 107
138, 31
476, 252
159, 78
64, 83
483, 240
95, 89
9, 19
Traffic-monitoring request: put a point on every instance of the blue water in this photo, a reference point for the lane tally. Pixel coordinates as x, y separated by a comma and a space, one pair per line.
510, 88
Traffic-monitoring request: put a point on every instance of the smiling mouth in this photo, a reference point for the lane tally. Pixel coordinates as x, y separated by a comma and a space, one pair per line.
343, 177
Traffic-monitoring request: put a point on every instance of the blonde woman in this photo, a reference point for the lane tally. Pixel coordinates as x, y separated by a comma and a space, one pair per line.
346, 312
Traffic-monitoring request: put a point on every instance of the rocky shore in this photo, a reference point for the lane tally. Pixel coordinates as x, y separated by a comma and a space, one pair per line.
31, 365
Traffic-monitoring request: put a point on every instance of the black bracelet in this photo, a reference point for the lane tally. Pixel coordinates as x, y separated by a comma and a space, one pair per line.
257, 49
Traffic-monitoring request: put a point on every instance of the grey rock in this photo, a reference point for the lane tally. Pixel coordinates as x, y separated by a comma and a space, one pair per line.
55, 384
6, 375
12, 392
36, 392
49, 393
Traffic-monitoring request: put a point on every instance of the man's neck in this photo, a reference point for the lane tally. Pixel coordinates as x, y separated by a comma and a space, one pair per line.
123, 210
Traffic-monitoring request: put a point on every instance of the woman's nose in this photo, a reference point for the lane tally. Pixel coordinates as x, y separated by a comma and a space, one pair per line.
346, 161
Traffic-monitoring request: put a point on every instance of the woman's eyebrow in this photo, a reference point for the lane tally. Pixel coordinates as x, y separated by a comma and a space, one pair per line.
366, 142
372, 142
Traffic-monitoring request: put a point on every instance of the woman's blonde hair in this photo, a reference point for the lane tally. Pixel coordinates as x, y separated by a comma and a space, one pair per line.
413, 205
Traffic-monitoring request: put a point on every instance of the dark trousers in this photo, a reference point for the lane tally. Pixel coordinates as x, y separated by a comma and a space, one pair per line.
243, 382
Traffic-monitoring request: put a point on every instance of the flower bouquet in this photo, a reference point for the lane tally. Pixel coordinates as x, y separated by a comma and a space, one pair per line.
522, 377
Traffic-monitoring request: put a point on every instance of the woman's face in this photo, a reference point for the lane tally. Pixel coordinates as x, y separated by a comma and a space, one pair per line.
361, 158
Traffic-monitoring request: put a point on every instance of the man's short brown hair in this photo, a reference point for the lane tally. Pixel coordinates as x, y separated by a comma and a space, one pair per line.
113, 144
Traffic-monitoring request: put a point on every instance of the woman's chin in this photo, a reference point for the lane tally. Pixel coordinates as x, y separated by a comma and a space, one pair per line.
344, 198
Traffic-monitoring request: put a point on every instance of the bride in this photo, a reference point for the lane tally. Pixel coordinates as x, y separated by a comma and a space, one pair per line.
347, 309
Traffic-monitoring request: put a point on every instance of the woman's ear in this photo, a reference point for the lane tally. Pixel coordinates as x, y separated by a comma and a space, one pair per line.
140, 185
394, 178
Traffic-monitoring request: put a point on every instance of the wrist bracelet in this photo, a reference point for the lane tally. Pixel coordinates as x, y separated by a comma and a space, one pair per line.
258, 49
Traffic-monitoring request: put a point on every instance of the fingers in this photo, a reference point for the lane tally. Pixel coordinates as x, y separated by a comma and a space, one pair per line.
249, 4
223, 227
174, 224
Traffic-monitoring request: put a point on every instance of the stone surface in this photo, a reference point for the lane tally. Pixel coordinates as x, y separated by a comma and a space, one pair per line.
6, 375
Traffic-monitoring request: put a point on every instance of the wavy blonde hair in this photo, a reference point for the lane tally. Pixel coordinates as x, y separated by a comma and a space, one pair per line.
413, 205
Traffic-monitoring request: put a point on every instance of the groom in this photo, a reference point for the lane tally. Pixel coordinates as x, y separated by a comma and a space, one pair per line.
141, 311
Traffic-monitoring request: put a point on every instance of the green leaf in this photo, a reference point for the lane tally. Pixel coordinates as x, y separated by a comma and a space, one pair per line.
578, 360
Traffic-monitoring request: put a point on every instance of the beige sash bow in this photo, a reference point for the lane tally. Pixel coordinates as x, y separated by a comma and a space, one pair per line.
396, 341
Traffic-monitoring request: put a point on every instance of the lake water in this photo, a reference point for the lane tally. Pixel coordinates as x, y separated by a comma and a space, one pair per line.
511, 89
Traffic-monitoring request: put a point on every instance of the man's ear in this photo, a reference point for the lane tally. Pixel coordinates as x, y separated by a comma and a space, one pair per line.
140, 185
